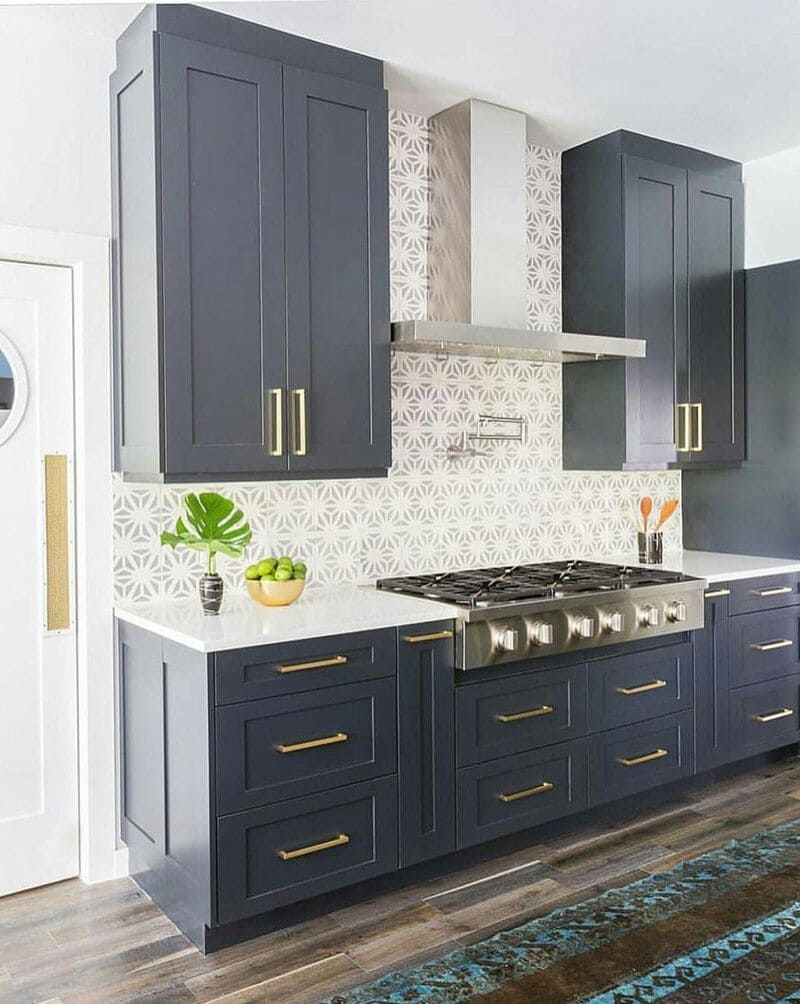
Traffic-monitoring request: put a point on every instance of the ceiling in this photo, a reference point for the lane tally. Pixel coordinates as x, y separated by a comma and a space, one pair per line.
723, 75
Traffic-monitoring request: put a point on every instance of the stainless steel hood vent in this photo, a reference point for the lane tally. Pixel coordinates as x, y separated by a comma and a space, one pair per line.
477, 259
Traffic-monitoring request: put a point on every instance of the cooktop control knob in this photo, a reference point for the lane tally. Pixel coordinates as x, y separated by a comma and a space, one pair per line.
507, 639
614, 622
583, 627
540, 633
650, 616
676, 612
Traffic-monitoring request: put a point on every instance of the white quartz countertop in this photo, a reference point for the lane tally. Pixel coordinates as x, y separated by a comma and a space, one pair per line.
320, 611
716, 567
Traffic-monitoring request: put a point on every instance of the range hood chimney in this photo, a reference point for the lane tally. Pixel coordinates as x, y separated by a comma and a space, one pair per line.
477, 258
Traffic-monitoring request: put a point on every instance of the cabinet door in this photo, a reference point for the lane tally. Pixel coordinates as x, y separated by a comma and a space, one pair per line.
656, 306
716, 314
712, 680
337, 273
426, 741
222, 257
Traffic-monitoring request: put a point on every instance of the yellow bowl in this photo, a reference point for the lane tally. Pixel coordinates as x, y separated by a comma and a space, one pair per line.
275, 594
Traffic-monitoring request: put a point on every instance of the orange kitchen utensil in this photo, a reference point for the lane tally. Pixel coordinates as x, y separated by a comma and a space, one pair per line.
667, 510
645, 508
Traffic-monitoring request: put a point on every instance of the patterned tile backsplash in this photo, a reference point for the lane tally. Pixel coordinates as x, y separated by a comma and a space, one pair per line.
513, 504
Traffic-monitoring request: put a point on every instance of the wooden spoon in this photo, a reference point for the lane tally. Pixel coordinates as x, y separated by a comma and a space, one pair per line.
667, 509
645, 508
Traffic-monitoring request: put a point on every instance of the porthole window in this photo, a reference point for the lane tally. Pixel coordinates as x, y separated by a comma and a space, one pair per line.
13, 389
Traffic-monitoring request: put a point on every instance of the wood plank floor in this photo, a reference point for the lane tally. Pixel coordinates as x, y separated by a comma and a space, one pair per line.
75, 944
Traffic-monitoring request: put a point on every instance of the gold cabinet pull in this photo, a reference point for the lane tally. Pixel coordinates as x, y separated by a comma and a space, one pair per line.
274, 417
773, 716
518, 716
772, 591
634, 761
771, 646
56, 542
538, 789
713, 593
683, 411
326, 845
295, 667
417, 639
642, 688
299, 430
310, 744
697, 446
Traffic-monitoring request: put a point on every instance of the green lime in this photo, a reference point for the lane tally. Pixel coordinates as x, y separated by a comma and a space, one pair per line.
298, 574
251, 572
264, 567
269, 577
285, 561
283, 574
300, 566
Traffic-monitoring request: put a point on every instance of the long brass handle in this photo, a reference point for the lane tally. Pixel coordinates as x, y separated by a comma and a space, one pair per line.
634, 761
518, 716
299, 430
771, 646
772, 591
697, 447
773, 716
295, 667
685, 411
310, 744
300, 852
642, 688
538, 789
274, 411
417, 639
713, 593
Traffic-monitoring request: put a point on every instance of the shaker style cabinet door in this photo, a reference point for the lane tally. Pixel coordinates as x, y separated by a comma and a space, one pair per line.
337, 273
712, 682
222, 252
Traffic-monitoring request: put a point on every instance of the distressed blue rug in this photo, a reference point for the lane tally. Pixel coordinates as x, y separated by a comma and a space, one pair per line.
723, 927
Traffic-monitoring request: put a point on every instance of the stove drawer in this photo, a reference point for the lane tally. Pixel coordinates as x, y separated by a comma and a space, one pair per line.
637, 757
764, 646
517, 792
502, 717
633, 688
765, 593
764, 717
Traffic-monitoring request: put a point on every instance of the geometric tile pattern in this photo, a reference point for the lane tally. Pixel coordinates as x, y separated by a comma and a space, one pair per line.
514, 503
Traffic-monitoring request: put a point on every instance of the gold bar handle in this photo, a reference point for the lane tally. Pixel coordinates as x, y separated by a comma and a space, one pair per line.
642, 688
295, 667
518, 716
713, 593
56, 542
698, 446
275, 421
299, 431
539, 789
634, 761
685, 411
772, 591
771, 646
326, 845
311, 744
773, 716
417, 639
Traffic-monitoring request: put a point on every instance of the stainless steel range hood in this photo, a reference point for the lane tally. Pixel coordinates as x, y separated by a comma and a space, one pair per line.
477, 259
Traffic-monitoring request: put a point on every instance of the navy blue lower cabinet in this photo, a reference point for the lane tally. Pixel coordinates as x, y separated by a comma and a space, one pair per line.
764, 646
642, 756
426, 741
711, 681
517, 792
750, 595
764, 716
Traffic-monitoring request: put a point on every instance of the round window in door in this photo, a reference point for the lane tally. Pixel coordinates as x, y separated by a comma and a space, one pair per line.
13, 389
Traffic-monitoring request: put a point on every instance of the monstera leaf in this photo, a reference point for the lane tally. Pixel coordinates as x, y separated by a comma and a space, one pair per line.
216, 526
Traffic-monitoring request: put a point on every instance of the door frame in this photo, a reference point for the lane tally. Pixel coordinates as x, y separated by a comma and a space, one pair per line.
88, 258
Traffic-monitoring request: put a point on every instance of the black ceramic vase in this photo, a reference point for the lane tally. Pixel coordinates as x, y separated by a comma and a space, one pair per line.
211, 587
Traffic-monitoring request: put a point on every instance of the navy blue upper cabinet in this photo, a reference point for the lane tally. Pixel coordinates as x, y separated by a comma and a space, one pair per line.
652, 249
251, 269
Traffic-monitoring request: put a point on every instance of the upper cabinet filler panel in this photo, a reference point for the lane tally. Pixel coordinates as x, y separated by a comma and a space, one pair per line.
653, 248
251, 292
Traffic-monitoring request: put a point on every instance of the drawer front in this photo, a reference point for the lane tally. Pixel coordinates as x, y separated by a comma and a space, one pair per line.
272, 670
637, 757
764, 717
764, 646
502, 717
764, 594
284, 747
520, 791
283, 853
633, 688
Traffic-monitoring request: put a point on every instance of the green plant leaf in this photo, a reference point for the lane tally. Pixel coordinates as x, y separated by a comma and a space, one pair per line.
217, 527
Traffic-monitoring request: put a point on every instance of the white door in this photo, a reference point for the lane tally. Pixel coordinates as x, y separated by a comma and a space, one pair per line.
38, 679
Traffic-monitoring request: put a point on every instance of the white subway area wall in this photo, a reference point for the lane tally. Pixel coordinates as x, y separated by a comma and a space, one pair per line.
514, 504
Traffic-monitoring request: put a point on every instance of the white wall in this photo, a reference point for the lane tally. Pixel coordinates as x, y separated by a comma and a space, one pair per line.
772, 208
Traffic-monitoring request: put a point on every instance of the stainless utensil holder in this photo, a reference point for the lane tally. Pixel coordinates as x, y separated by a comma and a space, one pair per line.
651, 548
